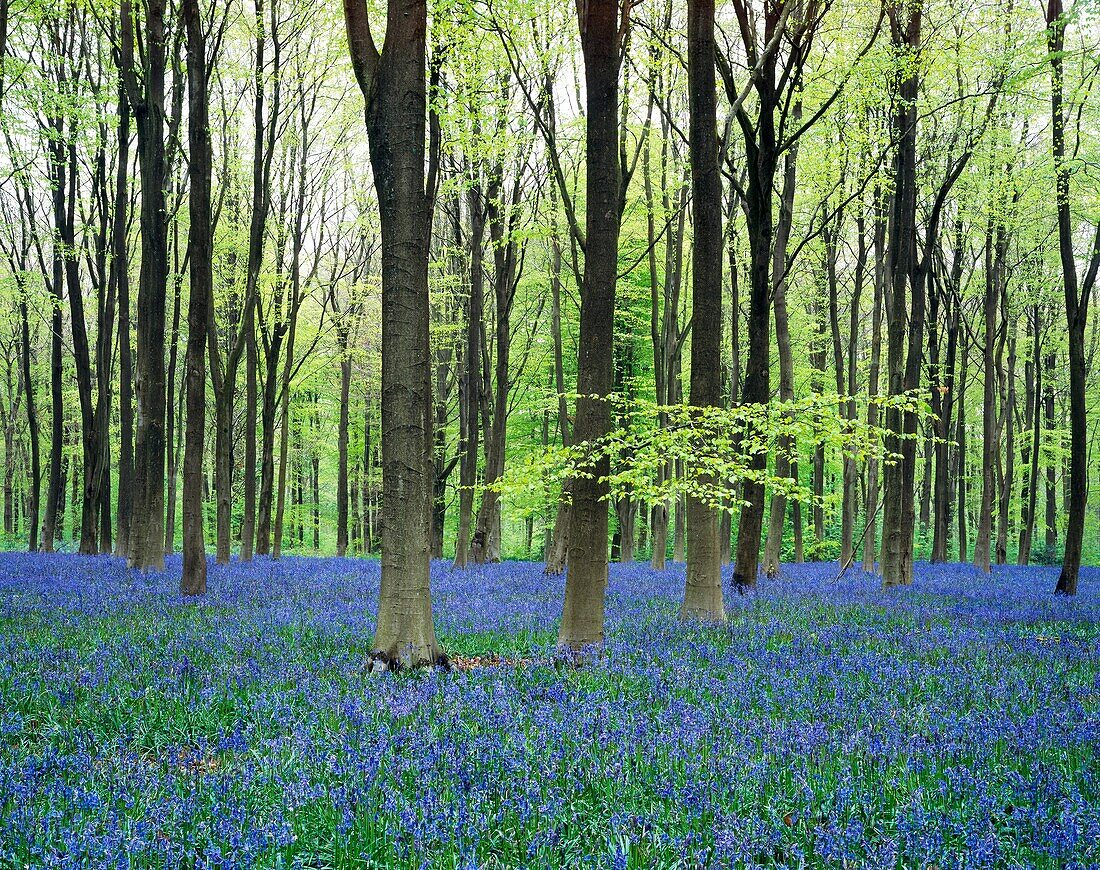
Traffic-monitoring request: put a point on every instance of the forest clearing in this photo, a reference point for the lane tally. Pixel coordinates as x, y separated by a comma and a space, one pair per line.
955, 723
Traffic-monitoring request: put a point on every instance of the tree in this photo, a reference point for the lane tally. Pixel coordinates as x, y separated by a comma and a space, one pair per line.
703, 586
903, 369
602, 31
1077, 294
146, 97
200, 250
393, 82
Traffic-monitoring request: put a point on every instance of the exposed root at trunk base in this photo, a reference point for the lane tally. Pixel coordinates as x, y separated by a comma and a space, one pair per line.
383, 661
575, 658
473, 663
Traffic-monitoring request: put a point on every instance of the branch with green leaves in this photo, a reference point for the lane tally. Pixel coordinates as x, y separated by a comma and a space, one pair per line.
714, 446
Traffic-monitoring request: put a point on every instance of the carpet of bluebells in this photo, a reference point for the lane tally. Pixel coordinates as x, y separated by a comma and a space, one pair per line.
952, 724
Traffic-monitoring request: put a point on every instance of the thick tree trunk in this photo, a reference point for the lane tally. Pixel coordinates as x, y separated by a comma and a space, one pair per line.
904, 321
394, 85
147, 102
703, 585
582, 621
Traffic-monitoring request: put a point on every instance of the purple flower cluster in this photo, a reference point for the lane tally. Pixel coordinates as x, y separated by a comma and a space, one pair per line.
952, 724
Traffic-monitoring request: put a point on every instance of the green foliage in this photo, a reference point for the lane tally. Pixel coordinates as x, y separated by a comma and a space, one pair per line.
718, 448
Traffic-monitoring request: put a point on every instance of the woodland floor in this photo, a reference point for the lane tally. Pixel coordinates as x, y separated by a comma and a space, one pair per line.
956, 723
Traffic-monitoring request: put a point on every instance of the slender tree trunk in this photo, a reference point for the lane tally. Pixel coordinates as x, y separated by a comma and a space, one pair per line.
171, 417
960, 453
200, 244
248, 520
1008, 425
342, 457
269, 404
1077, 306
943, 398
845, 377
870, 536
35, 492
1033, 384
55, 494
1050, 423
469, 389
773, 542
757, 390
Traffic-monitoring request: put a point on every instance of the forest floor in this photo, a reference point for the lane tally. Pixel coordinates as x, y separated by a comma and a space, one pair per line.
955, 723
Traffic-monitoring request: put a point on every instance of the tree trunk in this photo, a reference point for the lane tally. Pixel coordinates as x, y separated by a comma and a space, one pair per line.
55, 492
773, 542
342, 457
506, 273
960, 452
582, 621
703, 584
870, 536
267, 443
903, 368
1077, 305
757, 390
248, 520
171, 417
469, 390
201, 251
35, 493
121, 265
147, 102
943, 397
1033, 386
1008, 425
394, 86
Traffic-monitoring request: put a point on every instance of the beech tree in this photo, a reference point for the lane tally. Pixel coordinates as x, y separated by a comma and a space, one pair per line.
143, 78
1077, 292
394, 86
703, 587
200, 250
602, 27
